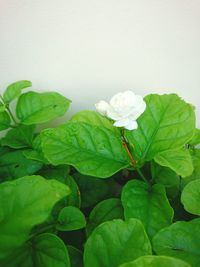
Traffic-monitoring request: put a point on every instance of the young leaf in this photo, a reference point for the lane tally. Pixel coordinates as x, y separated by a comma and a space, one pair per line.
14, 90
70, 218
178, 160
4, 121
36, 108
156, 261
14, 164
115, 242
190, 197
24, 203
148, 204
92, 150
180, 240
167, 123
76, 256
44, 250
105, 210
19, 137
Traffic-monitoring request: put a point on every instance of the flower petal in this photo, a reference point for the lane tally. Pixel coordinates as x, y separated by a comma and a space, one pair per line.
132, 125
102, 107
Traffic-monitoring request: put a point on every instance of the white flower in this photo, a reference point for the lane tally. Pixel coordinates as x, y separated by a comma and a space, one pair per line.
124, 108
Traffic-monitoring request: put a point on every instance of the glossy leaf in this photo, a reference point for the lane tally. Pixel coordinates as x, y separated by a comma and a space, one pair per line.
156, 261
190, 197
31, 200
70, 218
105, 210
36, 108
14, 90
92, 150
178, 160
115, 242
180, 240
167, 123
148, 204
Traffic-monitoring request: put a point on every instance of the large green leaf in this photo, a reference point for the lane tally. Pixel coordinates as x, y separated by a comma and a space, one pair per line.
45, 250
190, 197
147, 203
105, 210
93, 190
196, 138
178, 160
4, 121
14, 90
167, 123
115, 242
156, 261
180, 240
19, 137
35, 108
92, 150
24, 203
94, 118
14, 164
70, 218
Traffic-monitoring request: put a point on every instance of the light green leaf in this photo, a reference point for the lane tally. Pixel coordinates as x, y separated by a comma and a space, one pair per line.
76, 256
36, 108
190, 197
19, 137
196, 138
4, 121
93, 190
70, 218
45, 250
14, 164
148, 204
115, 242
24, 203
105, 210
2, 107
156, 261
92, 150
179, 161
94, 118
180, 240
14, 90
167, 123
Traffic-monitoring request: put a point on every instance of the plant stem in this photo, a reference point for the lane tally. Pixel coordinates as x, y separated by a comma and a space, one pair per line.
142, 175
9, 111
125, 145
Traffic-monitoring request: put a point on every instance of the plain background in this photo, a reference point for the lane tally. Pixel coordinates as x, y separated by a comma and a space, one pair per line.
90, 49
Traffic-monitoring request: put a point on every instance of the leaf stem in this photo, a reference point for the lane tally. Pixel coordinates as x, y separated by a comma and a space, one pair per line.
125, 145
9, 111
142, 175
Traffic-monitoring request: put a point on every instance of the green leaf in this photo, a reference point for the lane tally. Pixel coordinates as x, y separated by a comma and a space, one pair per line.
45, 250
14, 90
76, 256
61, 173
148, 204
14, 164
92, 150
115, 242
167, 123
190, 197
93, 190
105, 210
19, 137
196, 138
179, 161
25, 203
70, 218
156, 261
166, 177
95, 119
2, 107
36, 108
4, 121
180, 240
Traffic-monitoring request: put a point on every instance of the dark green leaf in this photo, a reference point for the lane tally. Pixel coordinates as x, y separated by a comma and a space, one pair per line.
76, 256
4, 121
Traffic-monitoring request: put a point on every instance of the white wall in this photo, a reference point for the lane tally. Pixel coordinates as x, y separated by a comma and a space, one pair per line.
90, 49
